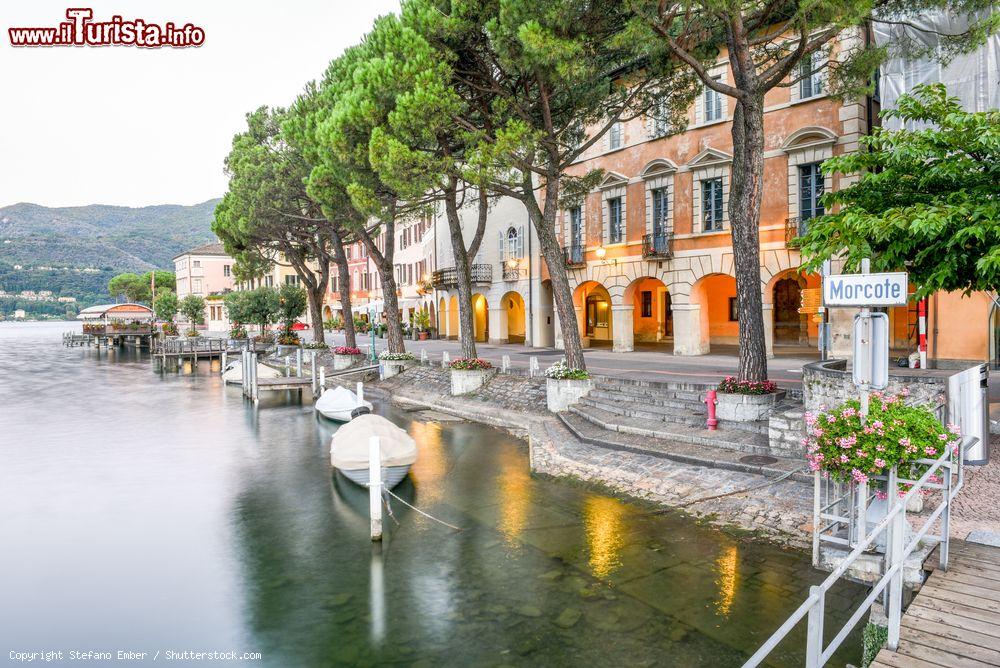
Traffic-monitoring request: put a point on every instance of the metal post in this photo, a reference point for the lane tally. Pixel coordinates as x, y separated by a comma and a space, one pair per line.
946, 516
894, 557
288, 366
322, 379
814, 630
862, 506
298, 362
375, 487
817, 520
225, 358
361, 393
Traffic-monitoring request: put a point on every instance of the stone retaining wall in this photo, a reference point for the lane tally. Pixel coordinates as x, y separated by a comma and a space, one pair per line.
828, 384
506, 391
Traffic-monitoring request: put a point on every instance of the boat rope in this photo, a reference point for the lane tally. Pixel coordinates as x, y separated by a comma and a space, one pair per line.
427, 515
753, 488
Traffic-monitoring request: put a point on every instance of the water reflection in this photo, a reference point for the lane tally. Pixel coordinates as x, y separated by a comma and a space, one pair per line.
515, 485
726, 565
603, 519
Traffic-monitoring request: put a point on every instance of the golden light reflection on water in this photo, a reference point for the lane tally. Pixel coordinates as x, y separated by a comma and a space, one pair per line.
431, 466
603, 520
515, 495
726, 565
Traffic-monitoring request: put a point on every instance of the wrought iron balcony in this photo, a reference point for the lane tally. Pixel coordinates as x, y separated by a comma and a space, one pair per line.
448, 277
510, 273
575, 256
794, 228
656, 245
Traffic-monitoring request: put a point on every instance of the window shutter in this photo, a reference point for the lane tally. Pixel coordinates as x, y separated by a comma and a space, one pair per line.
520, 241
503, 245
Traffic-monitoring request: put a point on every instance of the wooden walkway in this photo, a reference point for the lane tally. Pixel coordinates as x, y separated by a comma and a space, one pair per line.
954, 620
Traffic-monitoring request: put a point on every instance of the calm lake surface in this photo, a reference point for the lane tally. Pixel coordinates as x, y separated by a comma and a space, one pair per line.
149, 513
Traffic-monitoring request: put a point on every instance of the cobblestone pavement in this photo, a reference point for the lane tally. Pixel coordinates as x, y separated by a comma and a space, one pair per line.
977, 506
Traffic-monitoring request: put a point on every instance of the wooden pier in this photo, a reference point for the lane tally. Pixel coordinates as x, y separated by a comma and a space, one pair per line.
954, 620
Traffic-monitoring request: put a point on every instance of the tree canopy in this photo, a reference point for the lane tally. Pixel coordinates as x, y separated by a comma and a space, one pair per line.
928, 200
138, 287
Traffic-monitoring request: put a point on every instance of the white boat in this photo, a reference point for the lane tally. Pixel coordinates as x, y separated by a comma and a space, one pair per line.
349, 449
233, 374
338, 404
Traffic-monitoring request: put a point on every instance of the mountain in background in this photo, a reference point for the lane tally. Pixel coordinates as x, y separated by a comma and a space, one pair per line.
74, 251
99, 236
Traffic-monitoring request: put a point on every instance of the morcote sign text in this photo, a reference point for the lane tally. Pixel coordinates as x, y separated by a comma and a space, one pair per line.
888, 289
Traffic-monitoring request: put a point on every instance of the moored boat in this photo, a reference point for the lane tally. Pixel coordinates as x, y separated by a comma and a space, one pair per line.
349, 449
339, 404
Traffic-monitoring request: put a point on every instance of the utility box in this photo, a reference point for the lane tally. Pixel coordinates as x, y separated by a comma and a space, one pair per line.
969, 408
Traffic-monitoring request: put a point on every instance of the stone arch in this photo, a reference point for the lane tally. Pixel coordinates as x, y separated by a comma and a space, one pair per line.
593, 303
512, 321
713, 314
651, 314
442, 325
327, 312
807, 137
480, 317
453, 318
656, 167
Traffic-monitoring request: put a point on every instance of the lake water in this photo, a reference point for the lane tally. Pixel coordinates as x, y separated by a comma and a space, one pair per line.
153, 513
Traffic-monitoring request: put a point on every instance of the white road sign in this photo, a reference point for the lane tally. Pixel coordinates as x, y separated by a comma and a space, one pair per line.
871, 350
888, 289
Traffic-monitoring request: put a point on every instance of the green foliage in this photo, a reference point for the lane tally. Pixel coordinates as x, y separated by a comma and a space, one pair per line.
137, 287
193, 308
561, 371
894, 434
334, 323
422, 321
873, 638
732, 385
259, 306
166, 305
292, 301
470, 364
928, 200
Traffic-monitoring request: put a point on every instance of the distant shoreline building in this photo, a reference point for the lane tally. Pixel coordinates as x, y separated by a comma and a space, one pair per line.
206, 271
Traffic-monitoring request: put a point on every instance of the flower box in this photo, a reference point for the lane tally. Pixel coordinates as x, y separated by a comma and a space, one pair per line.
286, 349
341, 362
745, 407
464, 381
560, 394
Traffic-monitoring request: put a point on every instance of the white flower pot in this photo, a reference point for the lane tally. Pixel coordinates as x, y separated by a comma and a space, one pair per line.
560, 394
744, 407
465, 381
341, 362
392, 368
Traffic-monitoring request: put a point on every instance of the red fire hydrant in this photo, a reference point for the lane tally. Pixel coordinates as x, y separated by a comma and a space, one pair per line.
711, 401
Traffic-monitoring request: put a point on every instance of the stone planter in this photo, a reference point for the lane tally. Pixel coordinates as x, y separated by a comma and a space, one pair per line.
465, 381
341, 362
392, 368
745, 407
286, 350
561, 394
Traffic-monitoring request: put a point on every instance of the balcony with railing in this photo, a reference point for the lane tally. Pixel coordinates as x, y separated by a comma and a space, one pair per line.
656, 246
442, 279
575, 256
511, 272
794, 228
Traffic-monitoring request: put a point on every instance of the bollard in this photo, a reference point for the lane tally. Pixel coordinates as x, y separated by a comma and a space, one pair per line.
445, 359
375, 487
298, 362
505, 364
322, 379
423, 356
711, 400
361, 393
532, 366
225, 359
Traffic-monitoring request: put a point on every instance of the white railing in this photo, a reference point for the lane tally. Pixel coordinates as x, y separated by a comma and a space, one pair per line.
895, 523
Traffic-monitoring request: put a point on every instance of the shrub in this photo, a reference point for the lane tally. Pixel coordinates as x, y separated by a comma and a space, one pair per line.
191, 333
170, 329
560, 371
730, 385
395, 357
895, 434
873, 638
237, 331
315, 345
336, 322
288, 338
346, 350
266, 337
471, 364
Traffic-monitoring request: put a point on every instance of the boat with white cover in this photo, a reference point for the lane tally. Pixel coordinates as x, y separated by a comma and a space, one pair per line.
338, 404
349, 449
233, 375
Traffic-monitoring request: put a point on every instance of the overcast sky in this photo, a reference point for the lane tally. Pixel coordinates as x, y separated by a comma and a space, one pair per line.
131, 126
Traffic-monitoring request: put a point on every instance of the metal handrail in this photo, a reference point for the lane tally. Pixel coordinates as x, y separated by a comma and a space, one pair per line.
575, 255
657, 245
896, 555
448, 277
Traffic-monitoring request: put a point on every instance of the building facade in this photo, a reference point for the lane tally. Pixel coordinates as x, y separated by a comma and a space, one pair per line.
206, 271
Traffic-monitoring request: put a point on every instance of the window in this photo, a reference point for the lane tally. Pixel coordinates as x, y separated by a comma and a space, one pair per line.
734, 310
713, 103
333, 284
661, 120
615, 232
647, 304
810, 76
227, 270
660, 203
576, 227
347, 253
197, 264
711, 205
810, 191
196, 286
616, 137
292, 279
513, 248
269, 281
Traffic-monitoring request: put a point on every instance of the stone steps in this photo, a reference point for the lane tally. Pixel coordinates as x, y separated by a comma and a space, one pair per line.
750, 442
653, 399
666, 391
653, 407
689, 453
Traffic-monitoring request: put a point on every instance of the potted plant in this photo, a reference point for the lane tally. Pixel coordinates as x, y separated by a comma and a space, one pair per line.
394, 363
468, 374
745, 400
288, 342
238, 334
334, 324
345, 357
191, 333
565, 386
170, 329
422, 322
894, 434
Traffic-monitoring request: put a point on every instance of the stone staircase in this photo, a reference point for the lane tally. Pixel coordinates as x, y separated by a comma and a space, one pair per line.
667, 412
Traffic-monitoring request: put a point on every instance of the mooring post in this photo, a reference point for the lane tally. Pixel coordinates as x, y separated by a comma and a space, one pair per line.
361, 393
225, 358
298, 362
288, 366
505, 364
322, 379
375, 486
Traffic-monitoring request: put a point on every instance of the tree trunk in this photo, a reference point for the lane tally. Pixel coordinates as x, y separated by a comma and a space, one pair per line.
562, 295
463, 272
344, 283
394, 325
745, 193
316, 311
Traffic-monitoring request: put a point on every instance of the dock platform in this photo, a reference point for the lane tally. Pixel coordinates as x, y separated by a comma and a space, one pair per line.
954, 620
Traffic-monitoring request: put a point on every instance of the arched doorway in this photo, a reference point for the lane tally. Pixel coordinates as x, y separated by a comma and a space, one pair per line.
790, 326
718, 315
545, 330
480, 317
453, 318
512, 305
327, 312
652, 313
594, 303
